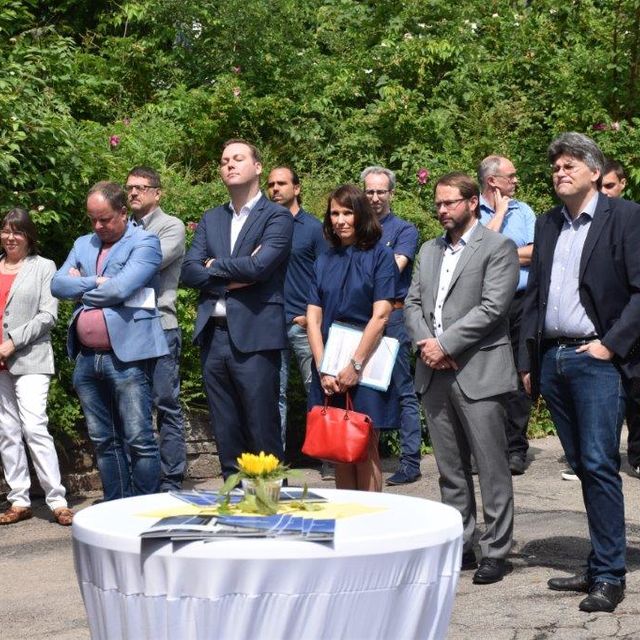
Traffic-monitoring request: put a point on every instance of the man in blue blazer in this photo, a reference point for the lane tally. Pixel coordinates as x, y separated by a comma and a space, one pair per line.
238, 262
114, 331
581, 343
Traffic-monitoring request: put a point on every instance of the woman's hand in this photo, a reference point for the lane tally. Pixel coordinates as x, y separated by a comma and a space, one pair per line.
329, 384
7, 349
347, 378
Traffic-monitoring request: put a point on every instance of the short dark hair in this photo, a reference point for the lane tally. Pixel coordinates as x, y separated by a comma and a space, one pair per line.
465, 184
581, 147
112, 192
295, 178
613, 165
257, 157
146, 172
367, 228
18, 219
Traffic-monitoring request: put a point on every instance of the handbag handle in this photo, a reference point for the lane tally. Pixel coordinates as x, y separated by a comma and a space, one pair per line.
348, 404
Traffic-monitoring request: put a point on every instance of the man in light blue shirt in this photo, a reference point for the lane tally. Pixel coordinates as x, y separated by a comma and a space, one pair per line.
501, 212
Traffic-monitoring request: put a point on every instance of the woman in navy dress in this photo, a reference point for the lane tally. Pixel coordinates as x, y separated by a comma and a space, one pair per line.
354, 283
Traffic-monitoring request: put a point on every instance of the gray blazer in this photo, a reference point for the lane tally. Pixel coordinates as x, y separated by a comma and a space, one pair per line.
474, 315
29, 316
171, 232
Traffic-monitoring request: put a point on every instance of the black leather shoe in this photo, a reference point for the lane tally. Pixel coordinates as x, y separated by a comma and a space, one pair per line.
490, 570
402, 477
603, 596
468, 561
516, 465
580, 583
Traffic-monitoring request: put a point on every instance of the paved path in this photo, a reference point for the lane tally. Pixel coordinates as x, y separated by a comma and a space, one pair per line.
39, 597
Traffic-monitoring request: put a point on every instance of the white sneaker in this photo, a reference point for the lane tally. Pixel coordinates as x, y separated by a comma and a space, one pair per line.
569, 474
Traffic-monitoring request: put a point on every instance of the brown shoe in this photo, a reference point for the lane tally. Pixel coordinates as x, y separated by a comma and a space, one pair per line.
15, 514
63, 516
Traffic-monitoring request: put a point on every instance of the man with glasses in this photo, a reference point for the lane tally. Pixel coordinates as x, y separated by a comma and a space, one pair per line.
402, 238
580, 340
143, 193
501, 212
456, 313
114, 333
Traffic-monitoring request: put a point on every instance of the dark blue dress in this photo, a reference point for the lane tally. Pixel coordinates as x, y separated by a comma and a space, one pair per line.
347, 282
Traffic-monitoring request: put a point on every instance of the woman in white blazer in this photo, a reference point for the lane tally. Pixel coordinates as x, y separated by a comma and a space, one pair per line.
28, 311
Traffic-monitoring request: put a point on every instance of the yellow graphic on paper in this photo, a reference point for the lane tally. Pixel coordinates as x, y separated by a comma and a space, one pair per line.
328, 510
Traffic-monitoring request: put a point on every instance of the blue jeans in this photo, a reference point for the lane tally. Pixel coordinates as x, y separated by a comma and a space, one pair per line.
165, 376
586, 399
401, 378
299, 344
116, 401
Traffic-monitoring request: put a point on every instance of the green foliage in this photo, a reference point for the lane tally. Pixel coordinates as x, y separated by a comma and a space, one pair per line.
90, 88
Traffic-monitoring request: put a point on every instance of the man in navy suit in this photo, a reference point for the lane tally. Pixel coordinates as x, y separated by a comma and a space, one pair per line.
238, 261
581, 342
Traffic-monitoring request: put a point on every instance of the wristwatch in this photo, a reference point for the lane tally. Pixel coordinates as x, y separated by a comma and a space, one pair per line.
356, 365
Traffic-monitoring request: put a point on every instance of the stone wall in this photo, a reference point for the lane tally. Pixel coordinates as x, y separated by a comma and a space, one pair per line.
79, 473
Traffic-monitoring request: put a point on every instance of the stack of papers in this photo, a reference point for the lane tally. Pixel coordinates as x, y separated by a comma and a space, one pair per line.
202, 527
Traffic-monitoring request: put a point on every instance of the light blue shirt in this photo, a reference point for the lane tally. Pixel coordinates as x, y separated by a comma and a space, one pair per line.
518, 224
565, 315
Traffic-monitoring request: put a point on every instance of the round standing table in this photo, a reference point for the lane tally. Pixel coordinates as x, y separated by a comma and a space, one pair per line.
389, 574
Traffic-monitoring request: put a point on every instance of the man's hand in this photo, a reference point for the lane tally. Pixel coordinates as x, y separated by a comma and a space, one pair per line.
101, 280
501, 203
301, 321
596, 350
525, 376
433, 356
74, 273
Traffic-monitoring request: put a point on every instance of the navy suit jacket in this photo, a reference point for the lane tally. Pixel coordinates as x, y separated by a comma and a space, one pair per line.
255, 314
609, 283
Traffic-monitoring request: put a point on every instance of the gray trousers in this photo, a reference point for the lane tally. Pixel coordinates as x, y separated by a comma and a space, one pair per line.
458, 427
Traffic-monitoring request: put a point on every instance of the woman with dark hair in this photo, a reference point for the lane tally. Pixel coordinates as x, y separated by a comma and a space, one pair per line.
355, 283
28, 311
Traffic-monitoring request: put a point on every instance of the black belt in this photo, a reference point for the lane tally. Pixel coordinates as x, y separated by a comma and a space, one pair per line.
566, 341
88, 351
219, 321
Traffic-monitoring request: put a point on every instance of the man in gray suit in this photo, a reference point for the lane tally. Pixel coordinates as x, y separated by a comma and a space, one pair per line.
456, 313
143, 194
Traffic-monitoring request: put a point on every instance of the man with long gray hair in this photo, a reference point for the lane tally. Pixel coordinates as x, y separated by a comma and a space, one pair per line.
580, 340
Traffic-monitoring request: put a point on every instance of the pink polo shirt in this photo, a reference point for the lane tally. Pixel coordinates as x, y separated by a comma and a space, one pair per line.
91, 327
6, 280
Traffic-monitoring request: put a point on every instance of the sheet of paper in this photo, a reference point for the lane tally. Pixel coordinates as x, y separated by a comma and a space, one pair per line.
143, 298
342, 343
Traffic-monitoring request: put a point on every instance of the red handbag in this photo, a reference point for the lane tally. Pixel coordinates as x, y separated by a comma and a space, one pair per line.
337, 435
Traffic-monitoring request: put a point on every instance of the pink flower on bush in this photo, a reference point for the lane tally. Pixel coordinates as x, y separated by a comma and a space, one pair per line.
236, 92
615, 126
192, 226
423, 175
236, 69
126, 121
114, 141
600, 126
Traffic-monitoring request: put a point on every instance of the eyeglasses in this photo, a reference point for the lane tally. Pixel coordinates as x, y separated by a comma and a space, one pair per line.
377, 192
140, 187
447, 204
507, 176
568, 168
8, 233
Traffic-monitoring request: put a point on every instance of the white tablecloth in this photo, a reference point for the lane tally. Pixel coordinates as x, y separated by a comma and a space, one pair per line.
389, 574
